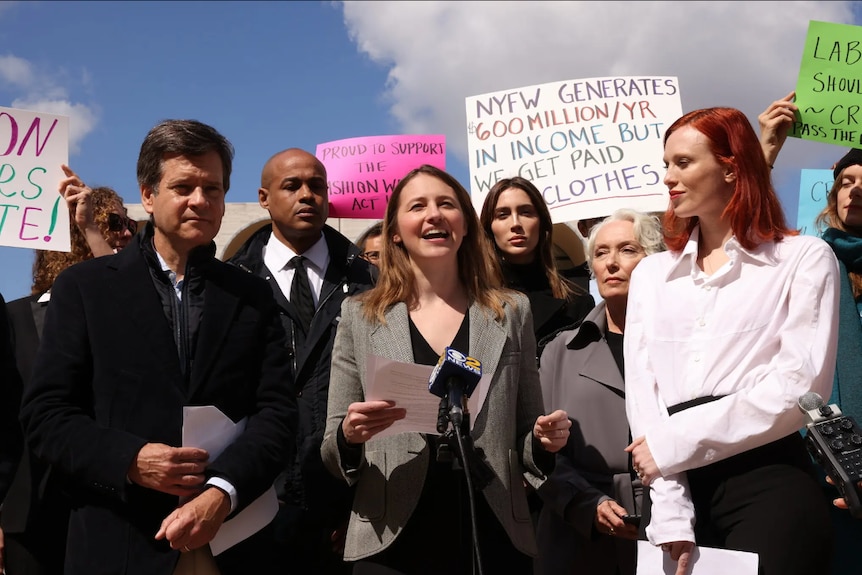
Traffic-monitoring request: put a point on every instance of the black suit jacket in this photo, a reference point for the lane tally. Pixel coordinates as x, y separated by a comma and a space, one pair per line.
35, 512
10, 396
108, 380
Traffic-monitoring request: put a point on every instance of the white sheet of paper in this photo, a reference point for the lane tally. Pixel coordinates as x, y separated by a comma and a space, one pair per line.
208, 428
407, 385
705, 561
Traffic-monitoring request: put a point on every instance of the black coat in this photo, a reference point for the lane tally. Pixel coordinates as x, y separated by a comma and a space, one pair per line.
35, 511
551, 315
307, 483
11, 441
107, 381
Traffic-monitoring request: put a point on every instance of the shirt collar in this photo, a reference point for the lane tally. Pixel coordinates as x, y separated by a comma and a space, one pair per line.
686, 261
277, 255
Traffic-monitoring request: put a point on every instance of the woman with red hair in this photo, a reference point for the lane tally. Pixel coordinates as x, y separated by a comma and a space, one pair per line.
724, 332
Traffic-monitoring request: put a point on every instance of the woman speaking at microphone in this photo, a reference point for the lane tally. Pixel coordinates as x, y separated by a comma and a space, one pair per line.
439, 287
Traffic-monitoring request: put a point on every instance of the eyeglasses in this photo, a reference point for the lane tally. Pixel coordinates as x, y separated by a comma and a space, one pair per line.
372, 257
118, 223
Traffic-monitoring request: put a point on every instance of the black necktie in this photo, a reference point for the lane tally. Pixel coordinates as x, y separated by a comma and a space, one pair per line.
300, 293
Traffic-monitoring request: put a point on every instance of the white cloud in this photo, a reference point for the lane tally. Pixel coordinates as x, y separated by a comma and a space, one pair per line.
38, 90
740, 54
82, 119
15, 71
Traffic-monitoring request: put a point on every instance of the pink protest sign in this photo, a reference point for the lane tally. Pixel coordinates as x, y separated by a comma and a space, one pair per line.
362, 172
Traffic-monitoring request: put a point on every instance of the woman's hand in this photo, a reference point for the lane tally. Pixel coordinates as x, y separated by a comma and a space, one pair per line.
609, 520
552, 430
365, 419
77, 196
775, 123
680, 551
642, 462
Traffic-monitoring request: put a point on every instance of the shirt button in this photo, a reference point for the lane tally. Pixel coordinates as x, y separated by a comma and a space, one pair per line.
707, 288
701, 322
697, 359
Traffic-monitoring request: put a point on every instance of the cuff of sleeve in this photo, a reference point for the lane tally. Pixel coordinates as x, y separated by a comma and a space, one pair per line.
351, 455
226, 487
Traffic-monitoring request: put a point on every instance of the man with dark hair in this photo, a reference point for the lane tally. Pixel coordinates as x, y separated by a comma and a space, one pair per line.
311, 268
106, 404
371, 243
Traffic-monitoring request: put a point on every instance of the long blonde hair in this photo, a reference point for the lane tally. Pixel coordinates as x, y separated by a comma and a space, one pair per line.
478, 269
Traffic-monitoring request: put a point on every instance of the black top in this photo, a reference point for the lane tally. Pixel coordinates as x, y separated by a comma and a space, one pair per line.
550, 314
615, 342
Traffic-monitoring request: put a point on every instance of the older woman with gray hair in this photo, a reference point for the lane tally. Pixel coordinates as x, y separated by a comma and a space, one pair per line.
588, 523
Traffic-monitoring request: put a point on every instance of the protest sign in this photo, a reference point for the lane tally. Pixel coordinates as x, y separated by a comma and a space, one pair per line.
829, 88
362, 172
33, 214
590, 145
814, 185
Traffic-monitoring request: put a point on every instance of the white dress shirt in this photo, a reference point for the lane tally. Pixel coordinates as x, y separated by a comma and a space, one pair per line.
762, 331
276, 256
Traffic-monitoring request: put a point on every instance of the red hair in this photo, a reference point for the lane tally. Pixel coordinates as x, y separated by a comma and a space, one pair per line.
754, 211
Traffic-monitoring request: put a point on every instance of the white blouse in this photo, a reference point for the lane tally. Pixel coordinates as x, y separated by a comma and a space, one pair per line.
762, 331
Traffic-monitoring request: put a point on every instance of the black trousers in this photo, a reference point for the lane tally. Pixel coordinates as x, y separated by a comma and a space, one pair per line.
766, 501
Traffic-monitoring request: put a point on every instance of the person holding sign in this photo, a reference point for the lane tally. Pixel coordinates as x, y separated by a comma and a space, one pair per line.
106, 407
724, 332
438, 288
36, 513
516, 220
592, 500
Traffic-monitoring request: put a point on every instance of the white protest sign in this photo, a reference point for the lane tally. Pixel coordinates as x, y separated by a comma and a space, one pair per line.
591, 146
33, 214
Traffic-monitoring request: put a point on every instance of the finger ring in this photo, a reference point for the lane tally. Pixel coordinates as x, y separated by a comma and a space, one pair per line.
611, 531
186, 548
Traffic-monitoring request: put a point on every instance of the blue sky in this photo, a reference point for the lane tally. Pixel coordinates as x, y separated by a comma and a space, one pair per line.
272, 75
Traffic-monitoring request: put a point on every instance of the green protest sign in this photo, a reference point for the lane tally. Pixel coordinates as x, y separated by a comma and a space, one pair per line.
829, 88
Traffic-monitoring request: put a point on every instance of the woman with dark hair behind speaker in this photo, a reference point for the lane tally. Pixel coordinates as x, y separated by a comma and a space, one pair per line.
439, 287
724, 332
517, 223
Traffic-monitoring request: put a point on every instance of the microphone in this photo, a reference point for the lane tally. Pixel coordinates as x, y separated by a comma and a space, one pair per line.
834, 440
455, 377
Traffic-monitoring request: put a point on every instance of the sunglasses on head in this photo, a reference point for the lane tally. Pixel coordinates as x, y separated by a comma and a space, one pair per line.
118, 223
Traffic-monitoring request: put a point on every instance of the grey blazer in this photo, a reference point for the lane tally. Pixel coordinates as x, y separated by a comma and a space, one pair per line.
579, 375
392, 471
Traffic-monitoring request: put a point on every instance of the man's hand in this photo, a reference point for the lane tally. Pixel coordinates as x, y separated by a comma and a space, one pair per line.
680, 551
173, 470
552, 430
196, 522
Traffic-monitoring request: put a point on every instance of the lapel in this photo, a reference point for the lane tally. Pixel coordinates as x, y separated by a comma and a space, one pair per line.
487, 338
332, 294
598, 362
219, 308
37, 310
131, 287
392, 340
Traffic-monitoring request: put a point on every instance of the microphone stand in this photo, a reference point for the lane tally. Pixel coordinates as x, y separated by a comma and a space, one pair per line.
471, 460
